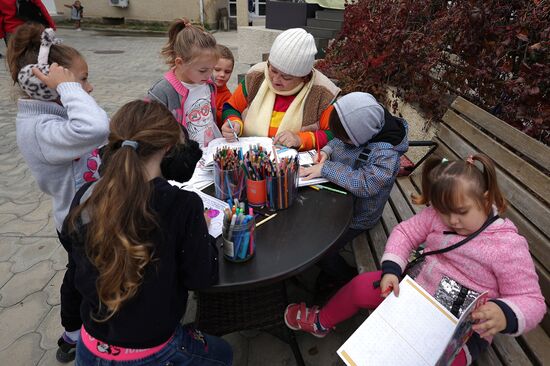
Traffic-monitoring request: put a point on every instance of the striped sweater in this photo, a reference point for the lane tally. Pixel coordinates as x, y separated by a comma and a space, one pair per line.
318, 106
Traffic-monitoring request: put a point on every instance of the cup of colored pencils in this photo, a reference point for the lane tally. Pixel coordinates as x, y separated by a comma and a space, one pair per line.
255, 166
282, 183
239, 238
228, 176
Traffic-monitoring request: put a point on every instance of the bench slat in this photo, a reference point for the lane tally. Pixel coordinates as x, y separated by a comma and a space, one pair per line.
388, 219
377, 239
400, 205
363, 255
488, 358
526, 203
406, 186
535, 150
509, 351
538, 343
508, 161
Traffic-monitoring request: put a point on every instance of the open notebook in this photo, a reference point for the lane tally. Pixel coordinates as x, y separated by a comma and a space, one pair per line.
412, 329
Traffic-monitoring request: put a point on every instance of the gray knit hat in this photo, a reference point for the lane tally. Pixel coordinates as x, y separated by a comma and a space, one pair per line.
293, 52
361, 116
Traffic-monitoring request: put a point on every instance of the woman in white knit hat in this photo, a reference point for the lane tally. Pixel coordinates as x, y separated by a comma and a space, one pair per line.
285, 97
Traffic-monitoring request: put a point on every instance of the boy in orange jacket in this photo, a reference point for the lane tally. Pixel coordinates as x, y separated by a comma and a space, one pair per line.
222, 73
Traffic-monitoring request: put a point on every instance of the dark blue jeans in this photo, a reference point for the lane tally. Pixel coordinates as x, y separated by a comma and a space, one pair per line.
184, 349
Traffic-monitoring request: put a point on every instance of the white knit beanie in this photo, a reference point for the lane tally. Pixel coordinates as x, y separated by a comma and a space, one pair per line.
293, 52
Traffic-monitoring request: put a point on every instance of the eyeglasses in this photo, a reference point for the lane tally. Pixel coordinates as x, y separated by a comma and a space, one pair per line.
285, 77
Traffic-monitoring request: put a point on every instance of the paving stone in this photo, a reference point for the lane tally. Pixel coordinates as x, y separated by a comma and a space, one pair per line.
240, 348
53, 288
266, 347
8, 247
48, 359
24, 351
5, 273
18, 209
25, 283
22, 318
32, 251
59, 258
6, 217
21, 227
51, 328
43, 211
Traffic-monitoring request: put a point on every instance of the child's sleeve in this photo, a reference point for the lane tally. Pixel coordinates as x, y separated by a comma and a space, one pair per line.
199, 254
518, 286
310, 139
86, 129
221, 99
369, 179
233, 108
406, 237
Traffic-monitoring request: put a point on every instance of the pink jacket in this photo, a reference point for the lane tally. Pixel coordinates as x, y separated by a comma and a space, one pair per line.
497, 261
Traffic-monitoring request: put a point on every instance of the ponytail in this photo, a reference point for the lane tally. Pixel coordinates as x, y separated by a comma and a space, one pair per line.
185, 39
424, 197
24, 45
494, 195
121, 221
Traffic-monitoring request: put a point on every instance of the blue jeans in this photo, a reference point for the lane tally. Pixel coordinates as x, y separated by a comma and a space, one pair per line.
184, 349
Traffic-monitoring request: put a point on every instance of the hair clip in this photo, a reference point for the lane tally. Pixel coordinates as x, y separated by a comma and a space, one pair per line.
133, 144
444, 160
470, 159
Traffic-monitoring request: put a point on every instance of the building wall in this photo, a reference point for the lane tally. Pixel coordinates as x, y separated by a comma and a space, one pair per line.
149, 10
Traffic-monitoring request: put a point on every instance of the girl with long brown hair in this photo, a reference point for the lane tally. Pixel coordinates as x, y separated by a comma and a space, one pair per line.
138, 245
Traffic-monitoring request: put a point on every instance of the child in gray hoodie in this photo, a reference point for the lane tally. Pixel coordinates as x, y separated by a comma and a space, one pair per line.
364, 159
59, 126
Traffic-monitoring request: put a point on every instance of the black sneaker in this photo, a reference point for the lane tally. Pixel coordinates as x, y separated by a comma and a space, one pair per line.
66, 351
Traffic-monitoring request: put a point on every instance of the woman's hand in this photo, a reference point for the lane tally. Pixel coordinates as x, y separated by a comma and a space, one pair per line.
388, 283
227, 131
491, 320
56, 76
288, 139
312, 171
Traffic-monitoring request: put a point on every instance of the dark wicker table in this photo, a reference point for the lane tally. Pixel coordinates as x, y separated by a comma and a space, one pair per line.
252, 295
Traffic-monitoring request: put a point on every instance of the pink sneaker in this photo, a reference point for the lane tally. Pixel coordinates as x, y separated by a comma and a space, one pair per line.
299, 317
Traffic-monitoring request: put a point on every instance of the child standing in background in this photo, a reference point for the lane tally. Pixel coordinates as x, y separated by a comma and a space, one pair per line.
465, 202
222, 73
363, 158
187, 89
77, 13
58, 128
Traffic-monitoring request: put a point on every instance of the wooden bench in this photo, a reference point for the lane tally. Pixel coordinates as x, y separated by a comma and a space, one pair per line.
523, 165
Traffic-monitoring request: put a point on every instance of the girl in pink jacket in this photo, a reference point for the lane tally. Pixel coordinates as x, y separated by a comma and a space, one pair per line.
463, 200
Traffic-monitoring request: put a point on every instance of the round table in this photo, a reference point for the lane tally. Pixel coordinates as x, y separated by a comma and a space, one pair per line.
252, 295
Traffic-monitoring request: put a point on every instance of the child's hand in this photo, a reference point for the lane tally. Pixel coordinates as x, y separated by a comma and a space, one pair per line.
491, 320
324, 157
288, 139
312, 171
207, 218
227, 132
389, 281
56, 76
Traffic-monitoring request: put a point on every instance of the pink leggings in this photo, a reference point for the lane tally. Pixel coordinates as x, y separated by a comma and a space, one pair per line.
356, 294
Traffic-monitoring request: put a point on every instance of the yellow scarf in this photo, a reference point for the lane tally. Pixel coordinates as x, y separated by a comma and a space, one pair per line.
258, 117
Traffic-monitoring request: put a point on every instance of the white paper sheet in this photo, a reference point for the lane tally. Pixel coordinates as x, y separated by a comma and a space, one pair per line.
214, 205
412, 329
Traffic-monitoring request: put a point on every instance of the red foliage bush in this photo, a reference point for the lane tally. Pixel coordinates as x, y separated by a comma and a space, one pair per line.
494, 53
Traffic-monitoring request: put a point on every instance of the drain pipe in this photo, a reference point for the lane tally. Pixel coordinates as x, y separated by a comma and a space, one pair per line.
201, 10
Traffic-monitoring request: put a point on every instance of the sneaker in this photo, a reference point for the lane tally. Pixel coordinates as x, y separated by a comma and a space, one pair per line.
300, 317
66, 351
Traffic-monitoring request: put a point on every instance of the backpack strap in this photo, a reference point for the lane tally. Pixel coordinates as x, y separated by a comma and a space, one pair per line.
363, 157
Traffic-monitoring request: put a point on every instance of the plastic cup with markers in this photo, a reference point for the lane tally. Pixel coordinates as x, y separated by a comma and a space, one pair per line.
239, 235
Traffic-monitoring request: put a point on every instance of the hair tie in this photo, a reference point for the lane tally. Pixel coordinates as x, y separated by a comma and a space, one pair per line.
26, 79
444, 160
470, 159
133, 144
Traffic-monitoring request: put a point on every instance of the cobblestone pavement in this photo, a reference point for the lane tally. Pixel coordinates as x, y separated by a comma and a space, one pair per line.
32, 261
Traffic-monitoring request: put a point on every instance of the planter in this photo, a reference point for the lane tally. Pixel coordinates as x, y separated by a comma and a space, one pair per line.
284, 15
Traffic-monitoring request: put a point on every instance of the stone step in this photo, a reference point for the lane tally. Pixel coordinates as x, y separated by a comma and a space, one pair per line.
323, 23
322, 32
330, 14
